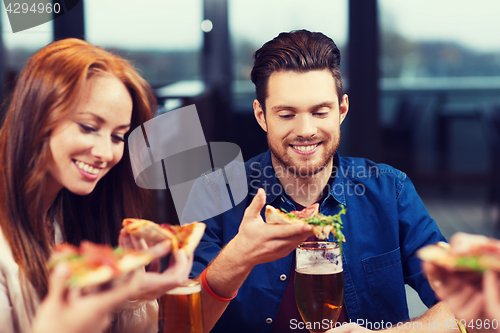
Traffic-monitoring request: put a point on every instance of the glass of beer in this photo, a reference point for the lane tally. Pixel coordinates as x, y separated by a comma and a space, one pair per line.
319, 284
180, 310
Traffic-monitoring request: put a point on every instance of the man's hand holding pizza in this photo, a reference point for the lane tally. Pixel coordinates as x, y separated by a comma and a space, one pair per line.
258, 242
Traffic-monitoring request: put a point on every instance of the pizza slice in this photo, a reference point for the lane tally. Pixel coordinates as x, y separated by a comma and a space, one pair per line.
464, 253
322, 225
95, 264
184, 237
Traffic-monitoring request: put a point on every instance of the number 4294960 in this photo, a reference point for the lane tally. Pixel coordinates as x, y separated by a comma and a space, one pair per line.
477, 323
19, 8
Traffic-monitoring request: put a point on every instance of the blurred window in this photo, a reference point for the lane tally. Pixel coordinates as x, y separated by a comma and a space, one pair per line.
440, 69
439, 38
19, 46
252, 23
162, 38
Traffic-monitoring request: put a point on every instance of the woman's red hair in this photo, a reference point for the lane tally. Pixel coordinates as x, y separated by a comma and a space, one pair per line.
50, 86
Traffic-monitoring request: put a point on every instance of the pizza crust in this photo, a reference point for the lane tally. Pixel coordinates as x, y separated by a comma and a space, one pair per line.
154, 233
92, 265
438, 254
441, 255
275, 216
133, 260
194, 239
94, 277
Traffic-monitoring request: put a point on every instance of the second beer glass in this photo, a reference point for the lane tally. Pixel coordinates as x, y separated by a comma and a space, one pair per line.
180, 310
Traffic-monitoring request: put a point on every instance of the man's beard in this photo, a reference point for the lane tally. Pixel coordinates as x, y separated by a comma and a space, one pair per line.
302, 169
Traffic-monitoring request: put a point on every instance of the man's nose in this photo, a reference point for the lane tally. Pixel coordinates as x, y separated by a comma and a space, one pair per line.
306, 126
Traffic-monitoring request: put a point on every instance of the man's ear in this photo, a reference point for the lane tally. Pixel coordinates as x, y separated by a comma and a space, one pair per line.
259, 115
344, 107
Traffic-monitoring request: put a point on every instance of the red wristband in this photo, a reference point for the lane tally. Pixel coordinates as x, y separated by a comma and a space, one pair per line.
210, 291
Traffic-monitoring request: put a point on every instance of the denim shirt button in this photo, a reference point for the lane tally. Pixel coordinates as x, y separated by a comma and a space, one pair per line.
282, 277
269, 320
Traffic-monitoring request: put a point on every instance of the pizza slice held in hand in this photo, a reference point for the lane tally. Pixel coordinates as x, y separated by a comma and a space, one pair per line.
185, 237
464, 253
322, 225
96, 264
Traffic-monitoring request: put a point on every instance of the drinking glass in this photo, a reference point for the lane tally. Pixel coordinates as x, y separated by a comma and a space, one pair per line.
319, 284
180, 310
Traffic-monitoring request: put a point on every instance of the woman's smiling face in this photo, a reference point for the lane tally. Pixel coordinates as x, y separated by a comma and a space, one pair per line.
87, 144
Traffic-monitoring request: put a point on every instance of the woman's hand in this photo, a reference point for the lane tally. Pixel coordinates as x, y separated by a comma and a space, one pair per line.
491, 287
155, 284
462, 290
471, 296
68, 311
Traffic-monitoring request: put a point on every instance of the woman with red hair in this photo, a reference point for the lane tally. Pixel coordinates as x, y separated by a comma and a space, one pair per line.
66, 175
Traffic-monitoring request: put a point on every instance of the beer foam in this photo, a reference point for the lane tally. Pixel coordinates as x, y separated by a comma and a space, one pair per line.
320, 269
185, 290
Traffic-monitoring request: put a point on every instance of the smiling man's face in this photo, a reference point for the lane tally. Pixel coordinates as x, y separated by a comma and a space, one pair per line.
302, 120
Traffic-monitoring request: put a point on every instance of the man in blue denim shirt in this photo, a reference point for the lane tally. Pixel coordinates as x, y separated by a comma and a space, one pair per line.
300, 104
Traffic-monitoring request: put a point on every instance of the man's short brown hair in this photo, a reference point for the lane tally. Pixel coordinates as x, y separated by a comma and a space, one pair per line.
299, 51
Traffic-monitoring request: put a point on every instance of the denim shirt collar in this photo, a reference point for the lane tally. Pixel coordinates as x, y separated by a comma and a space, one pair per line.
338, 182
270, 182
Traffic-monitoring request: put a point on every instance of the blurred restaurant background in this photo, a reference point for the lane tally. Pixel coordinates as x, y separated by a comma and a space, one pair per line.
423, 79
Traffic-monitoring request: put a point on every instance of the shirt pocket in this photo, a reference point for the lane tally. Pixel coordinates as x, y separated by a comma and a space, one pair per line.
384, 274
